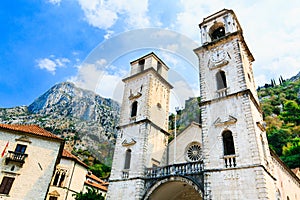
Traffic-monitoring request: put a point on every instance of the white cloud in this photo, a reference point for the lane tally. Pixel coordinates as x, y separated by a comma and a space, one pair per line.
271, 36
104, 14
169, 59
55, 2
95, 77
52, 63
181, 92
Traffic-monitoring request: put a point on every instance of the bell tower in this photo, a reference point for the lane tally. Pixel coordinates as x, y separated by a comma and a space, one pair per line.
235, 148
142, 136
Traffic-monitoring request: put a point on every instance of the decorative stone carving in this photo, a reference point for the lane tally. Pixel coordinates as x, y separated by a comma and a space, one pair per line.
229, 120
126, 143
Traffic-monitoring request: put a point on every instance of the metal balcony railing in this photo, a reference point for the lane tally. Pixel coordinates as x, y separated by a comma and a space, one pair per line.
176, 169
16, 157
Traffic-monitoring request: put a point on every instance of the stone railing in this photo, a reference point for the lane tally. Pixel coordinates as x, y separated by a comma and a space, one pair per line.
16, 157
176, 169
125, 174
222, 92
230, 161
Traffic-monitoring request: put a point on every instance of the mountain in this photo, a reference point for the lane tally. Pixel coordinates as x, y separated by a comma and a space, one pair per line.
84, 119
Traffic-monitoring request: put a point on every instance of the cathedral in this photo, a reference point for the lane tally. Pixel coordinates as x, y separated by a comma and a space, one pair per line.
226, 156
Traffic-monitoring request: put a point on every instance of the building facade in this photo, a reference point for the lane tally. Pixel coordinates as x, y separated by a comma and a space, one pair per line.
28, 159
68, 179
226, 157
96, 183
143, 136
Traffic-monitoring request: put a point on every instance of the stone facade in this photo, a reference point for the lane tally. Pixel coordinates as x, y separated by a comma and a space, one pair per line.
142, 138
236, 157
29, 157
69, 177
226, 157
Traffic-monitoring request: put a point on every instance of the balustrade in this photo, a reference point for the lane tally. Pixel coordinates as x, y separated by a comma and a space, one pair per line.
222, 92
176, 169
230, 161
125, 174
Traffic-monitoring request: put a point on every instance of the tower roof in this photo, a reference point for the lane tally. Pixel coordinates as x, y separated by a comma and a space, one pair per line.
149, 55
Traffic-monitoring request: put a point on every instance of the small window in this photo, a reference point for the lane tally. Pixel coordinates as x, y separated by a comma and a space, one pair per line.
6, 185
218, 33
228, 143
20, 148
127, 159
134, 109
142, 65
62, 179
55, 182
221, 80
159, 67
52, 198
249, 77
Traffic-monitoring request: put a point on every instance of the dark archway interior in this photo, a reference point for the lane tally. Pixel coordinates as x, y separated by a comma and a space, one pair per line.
218, 33
175, 190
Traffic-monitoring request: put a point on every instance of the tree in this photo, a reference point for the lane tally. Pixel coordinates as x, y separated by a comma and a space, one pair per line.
291, 112
91, 194
100, 170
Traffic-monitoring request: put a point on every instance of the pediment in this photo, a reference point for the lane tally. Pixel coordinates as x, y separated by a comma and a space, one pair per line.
213, 65
229, 120
134, 96
54, 193
23, 138
128, 142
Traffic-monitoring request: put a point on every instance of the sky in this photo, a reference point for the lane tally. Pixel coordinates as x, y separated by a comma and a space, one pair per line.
91, 43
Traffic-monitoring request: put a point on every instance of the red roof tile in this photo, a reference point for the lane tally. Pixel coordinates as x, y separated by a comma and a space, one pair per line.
32, 129
96, 185
67, 154
93, 177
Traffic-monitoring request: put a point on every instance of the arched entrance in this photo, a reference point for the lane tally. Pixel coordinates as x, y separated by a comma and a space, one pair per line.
174, 188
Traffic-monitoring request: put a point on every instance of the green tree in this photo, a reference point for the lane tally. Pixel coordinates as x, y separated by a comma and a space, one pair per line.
291, 153
277, 139
91, 194
291, 112
100, 170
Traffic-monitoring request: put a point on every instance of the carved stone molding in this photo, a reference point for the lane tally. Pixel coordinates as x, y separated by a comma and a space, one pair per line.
23, 138
134, 96
229, 120
126, 143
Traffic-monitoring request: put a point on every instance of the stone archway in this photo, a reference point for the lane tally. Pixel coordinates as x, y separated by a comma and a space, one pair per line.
174, 188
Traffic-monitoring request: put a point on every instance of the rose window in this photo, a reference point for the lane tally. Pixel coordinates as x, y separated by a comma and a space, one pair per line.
194, 152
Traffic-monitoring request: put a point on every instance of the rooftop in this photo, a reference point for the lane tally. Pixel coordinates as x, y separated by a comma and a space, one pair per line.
67, 154
31, 129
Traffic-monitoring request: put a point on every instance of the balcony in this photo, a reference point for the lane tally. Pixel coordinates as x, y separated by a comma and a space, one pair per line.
125, 173
222, 92
230, 161
17, 157
176, 169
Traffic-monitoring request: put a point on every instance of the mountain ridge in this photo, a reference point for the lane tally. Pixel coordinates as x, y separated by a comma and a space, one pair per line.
83, 118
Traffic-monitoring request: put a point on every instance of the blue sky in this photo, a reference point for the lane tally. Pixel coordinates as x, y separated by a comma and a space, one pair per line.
91, 42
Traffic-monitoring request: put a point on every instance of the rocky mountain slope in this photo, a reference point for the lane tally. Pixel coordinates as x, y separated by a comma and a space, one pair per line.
84, 119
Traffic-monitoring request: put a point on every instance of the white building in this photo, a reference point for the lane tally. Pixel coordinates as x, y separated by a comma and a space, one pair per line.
71, 177
226, 157
28, 158
96, 183
68, 179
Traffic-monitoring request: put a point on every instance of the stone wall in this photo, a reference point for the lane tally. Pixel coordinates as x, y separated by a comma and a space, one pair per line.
33, 177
